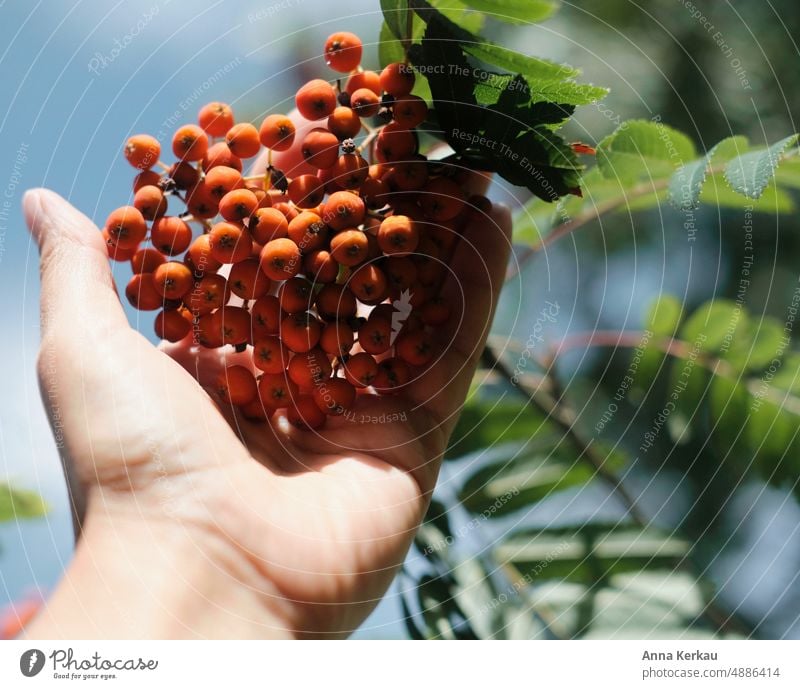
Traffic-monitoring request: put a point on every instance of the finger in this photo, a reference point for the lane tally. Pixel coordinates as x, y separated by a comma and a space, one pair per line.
78, 293
473, 287
291, 161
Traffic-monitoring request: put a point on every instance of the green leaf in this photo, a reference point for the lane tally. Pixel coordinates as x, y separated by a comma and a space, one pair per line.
714, 325
643, 150
664, 315
750, 173
20, 504
757, 345
717, 192
533, 68
500, 488
687, 182
484, 425
516, 11
394, 14
390, 49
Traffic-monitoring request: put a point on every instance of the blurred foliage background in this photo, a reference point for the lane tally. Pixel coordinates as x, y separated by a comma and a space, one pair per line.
526, 537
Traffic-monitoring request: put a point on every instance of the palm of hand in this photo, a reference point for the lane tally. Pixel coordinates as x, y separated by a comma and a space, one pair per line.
316, 523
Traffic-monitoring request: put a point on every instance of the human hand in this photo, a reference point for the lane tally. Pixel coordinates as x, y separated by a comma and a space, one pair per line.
199, 522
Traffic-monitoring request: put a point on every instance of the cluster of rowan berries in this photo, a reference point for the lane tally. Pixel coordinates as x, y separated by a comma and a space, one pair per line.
331, 280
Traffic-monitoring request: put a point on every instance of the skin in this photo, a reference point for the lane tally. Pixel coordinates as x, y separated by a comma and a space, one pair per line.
196, 523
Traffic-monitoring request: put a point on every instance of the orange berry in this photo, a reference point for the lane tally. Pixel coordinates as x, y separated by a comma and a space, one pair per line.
150, 201
172, 280
236, 385
349, 247
216, 118
308, 231
145, 178
397, 79
280, 259
126, 226
146, 260
374, 193
173, 326
344, 123
255, 410
266, 316
115, 252
349, 171
268, 224
343, 51
300, 332
184, 174
221, 180
142, 151
365, 102
295, 295
200, 202
320, 148
336, 339
306, 191
398, 234
374, 336
343, 209
361, 369
243, 140
316, 99
442, 199
334, 396
401, 272
220, 154
364, 80
270, 355
234, 322
171, 235
394, 143
238, 204
368, 283
229, 243
247, 280
410, 176
414, 348
277, 391
320, 267
308, 369
142, 294
190, 142
336, 302
393, 373
277, 132
410, 111
199, 255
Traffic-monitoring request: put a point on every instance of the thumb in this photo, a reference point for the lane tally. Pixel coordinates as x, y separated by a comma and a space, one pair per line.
77, 290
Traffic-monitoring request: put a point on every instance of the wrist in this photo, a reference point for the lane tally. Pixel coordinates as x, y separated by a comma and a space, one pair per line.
136, 577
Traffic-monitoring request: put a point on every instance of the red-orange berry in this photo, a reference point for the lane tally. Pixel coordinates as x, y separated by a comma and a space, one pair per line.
216, 118
277, 391
200, 202
142, 151
316, 99
255, 410
247, 280
270, 355
320, 148
277, 132
349, 247
207, 294
220, 154
172, 280
334, 396
337, 338
320, 267
190, 142
394, 143
344, 123
361, 369
295, 295
268, 224
442, 199
229, 243
200, 256
126, 226
364, 80
410, 111
171, 235
183, 174
237, 205
336, 302
368, 283
398, 234
150, 201
308, 231
411, 175
374, 193
414, 348
116, 252
365, 102
397, 79
266, 316
236, 385
374, 336
343, 51
146, 260
305, 413
306, 191
146, 178
300, 332
243, 140
142, 294
393, 373
435, 312
349, 171
401, 272
234, 322
280, 259
308, 369
221, 180
342, 210
173, 326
